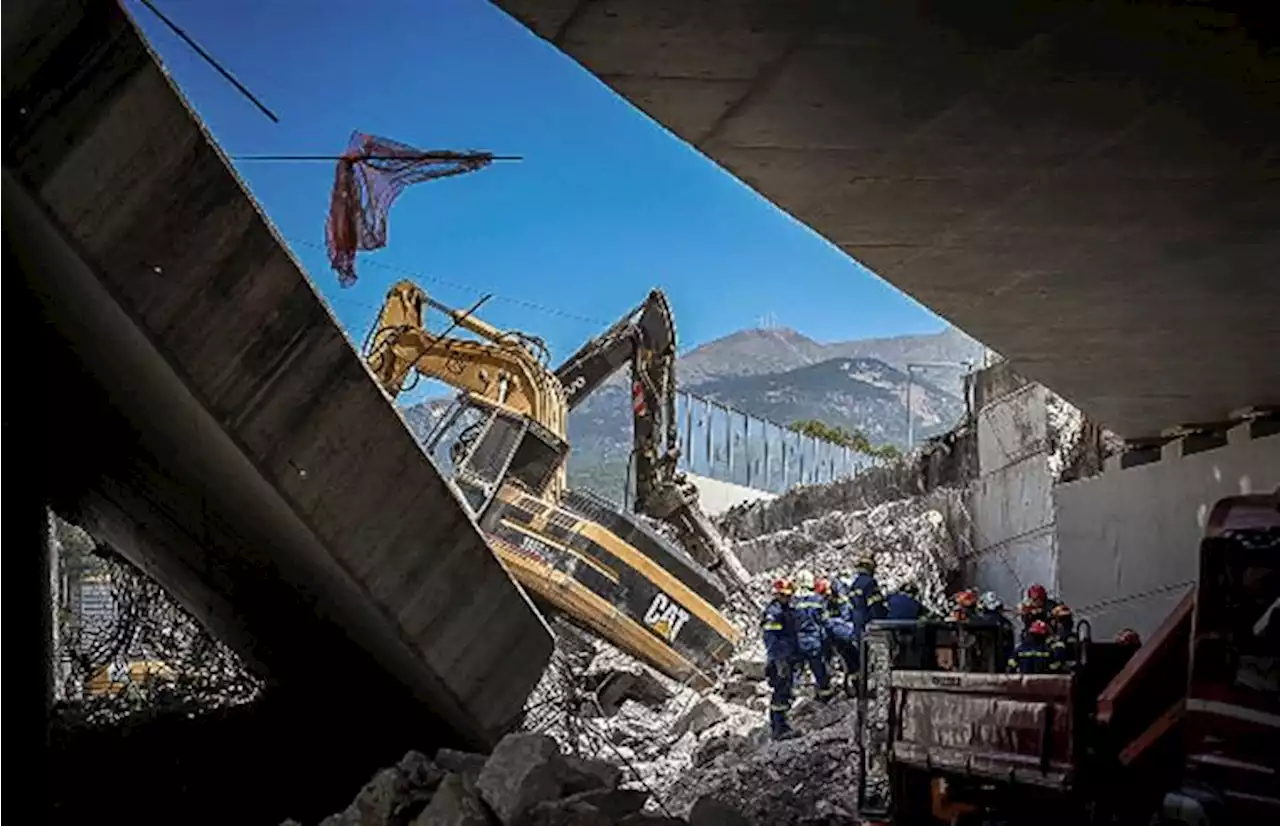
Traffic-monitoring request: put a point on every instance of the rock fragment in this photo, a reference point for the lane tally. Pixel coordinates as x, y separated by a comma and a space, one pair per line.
455, 803
525, 769
704, 714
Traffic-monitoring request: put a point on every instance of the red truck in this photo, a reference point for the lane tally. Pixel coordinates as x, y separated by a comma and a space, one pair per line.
1182, 730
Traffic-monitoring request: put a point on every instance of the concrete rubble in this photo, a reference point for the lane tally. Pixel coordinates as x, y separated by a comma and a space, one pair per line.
912, 539
607, 740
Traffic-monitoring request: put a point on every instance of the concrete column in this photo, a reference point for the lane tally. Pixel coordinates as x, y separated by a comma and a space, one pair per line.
27, 538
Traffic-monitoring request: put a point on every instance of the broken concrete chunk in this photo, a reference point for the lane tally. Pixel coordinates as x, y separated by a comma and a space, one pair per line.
704, 714
711, 812
524, 769
461, 762
419, 771
565, 813
712, 748
380, 800
616, 803
455, 803
646, 819
751, 668
638, 685
583, 775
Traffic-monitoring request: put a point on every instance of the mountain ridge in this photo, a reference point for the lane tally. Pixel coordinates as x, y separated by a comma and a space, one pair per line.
781, 375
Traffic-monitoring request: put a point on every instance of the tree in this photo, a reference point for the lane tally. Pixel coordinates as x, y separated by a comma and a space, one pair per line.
855, 440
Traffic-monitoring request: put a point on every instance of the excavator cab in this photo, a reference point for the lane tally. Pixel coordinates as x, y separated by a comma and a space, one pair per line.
484, 444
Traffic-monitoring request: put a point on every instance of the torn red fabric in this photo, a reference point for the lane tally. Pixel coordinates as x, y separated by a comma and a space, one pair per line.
370, 175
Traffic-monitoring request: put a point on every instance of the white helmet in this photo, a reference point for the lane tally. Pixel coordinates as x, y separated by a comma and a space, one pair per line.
804, 580
990, 602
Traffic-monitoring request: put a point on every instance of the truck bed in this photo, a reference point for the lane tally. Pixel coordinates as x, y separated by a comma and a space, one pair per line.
1012, 727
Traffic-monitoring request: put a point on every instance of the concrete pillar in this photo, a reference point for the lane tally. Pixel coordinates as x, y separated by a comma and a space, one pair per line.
27, 537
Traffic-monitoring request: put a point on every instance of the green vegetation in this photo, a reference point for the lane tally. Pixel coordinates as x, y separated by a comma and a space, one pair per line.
852, 439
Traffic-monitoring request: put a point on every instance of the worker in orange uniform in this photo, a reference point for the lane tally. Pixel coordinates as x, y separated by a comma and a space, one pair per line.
778, 627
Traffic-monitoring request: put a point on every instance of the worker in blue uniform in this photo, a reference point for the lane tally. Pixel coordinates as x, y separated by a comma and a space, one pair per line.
811, 619
1033, 655
904, 604
991, 612
778, 627
866, 603
838, 637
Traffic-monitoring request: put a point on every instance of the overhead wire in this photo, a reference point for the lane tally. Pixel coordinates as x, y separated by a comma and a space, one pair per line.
470, 288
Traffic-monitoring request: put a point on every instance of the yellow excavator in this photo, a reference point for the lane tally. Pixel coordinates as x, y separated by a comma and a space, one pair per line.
503, 445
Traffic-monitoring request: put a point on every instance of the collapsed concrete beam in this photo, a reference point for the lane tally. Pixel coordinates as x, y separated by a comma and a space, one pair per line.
258, 470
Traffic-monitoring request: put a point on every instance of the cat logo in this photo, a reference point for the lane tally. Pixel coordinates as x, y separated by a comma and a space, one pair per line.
665, 617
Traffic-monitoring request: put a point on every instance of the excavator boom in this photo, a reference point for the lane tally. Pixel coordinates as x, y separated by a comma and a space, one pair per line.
504, 442
645, 338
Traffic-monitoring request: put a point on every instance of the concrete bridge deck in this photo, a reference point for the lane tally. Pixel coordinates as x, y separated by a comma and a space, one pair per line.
209, 419
1090, 188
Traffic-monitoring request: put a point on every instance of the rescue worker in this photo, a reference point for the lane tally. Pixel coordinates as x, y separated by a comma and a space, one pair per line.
811, 619
1063, 641
904, 604
839, 639
778, 627
1033, 656
866, 603
839, 599
991, 610
1127, 636
1036, 606
965, 605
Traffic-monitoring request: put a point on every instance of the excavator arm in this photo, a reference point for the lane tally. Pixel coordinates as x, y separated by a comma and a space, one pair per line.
501, 369
645, 338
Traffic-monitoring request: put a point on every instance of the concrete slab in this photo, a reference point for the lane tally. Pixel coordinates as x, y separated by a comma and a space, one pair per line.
716, 496
1088, 188
253, 465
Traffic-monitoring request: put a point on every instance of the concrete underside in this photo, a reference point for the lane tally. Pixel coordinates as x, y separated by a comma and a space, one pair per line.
1089, 188
215, 425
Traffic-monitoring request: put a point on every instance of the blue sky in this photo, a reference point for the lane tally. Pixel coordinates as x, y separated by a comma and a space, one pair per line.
605, 205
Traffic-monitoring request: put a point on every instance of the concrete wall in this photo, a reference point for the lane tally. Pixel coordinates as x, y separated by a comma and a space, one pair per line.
236, 447
716, 496
1128, 539
1011, 502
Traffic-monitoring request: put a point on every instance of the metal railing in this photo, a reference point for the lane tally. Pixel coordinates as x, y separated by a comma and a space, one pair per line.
720, 442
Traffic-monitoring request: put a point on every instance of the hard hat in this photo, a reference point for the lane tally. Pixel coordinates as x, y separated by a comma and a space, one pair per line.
990, 602
1039, 628
1037, 593
783, 587
821, 585
865, 562
966, 599
804, 580
1128, 636
909, 588
1059, 611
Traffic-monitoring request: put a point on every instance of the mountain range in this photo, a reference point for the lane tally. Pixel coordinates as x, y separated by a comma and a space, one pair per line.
783, 376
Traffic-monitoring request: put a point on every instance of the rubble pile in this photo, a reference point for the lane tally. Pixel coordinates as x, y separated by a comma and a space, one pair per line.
811, 779
873, 486
1077, 446
911, 539
526, 781
693, 752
